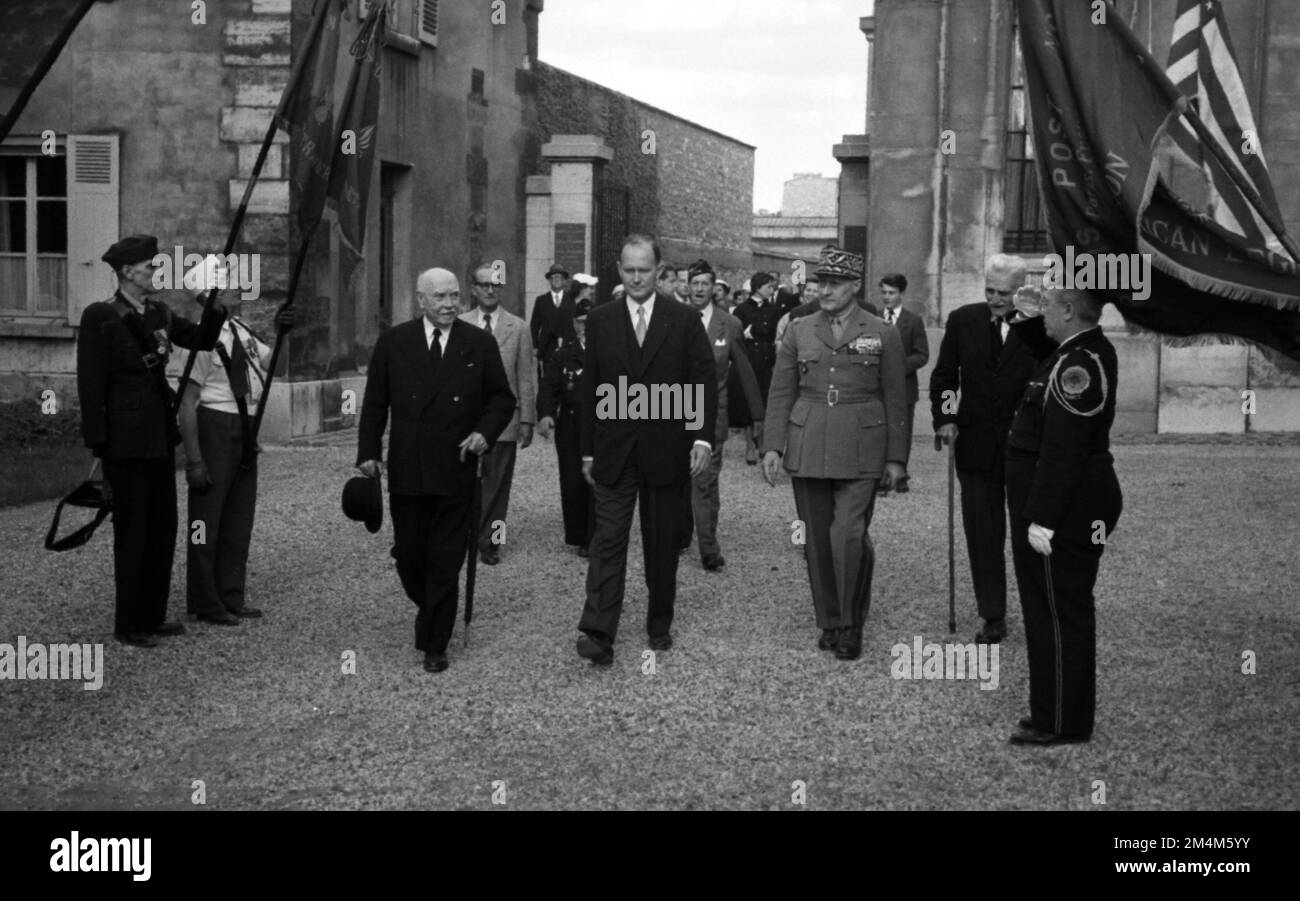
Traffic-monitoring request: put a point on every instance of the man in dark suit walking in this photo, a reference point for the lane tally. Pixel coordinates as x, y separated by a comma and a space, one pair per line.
445, 383
916, 346
543, 324
984, 359
638, 443
128, 421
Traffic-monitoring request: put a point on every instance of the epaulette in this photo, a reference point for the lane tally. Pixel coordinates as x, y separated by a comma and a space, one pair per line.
1078, 383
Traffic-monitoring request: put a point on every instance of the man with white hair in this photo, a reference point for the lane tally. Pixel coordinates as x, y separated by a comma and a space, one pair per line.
444, 383
982, 358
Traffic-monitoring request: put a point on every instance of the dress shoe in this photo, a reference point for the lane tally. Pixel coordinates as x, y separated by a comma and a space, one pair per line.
714, 562
491, 556
1025, 722
582, 551
168, 628
992, 632
435, 663
597, 652
828, 641
1032, 736
661, 642
139, 639
220, 619
901, 485
849, 646
751, 457
247, 613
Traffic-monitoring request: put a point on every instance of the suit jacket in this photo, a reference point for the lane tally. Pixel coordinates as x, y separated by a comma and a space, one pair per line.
127, 408
991, 383
867, 425
916, 347
432, 413
516, 346
543, 324
728, 350
676, 352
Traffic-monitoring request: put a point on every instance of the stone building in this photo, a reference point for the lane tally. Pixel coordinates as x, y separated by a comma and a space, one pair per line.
809, 194
607, 164
936, 67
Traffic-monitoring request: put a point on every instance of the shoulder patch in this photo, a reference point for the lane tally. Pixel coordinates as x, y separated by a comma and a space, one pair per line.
1075, 381
1078, 384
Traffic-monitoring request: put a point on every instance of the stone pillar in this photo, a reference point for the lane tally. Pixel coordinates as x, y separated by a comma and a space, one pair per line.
539, 239
571, 223
854, 153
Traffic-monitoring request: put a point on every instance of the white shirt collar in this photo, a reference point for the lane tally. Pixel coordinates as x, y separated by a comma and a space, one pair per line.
707, 316
649, 309
1076, 335
478, 316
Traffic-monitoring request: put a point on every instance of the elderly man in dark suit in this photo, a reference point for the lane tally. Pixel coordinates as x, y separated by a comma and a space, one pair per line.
446, 386
916, 346
648, 418
984, 364
835, 415
543, 324
724, 331
128, 420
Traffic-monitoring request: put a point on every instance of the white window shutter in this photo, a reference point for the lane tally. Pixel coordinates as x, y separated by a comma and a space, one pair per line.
93, 196
427, 20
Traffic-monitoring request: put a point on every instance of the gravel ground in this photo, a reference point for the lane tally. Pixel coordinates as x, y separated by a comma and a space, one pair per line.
744, 705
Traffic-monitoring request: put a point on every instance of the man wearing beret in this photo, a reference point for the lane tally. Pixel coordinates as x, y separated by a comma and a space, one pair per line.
128, 420
836, 416
983, 362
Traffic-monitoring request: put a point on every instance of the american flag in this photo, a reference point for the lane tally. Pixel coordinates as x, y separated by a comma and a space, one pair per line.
1204, 67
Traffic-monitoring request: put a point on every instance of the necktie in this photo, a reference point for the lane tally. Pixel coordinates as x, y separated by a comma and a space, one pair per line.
435, 350
997, 332
640, 325
837, 328
892, 317
238, 366
487, 323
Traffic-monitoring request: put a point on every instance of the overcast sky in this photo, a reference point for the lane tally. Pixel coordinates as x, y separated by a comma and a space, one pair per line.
788, 76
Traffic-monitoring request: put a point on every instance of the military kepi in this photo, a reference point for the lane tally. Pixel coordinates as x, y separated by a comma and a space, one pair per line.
131, 249
839, 263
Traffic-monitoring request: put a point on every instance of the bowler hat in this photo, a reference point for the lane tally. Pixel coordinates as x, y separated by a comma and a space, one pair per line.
131, 249
363, 501
557, 269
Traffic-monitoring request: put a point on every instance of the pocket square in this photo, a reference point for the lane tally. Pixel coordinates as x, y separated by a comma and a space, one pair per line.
721, 342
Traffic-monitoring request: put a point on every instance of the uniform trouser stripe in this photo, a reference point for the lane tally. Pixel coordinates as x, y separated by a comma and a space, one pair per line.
1058, 655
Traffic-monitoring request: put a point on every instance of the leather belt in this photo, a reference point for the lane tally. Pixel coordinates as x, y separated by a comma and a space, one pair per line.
834, 396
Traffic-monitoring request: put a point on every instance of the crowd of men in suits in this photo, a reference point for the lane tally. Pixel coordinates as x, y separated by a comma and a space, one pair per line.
826, 382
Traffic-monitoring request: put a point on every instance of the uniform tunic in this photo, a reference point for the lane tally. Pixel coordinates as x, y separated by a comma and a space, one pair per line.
1060, 475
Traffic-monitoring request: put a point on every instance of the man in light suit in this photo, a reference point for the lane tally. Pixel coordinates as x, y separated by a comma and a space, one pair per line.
916, 346
450, 399
651, 345
516, 346
983, 361
836, 413
725, 337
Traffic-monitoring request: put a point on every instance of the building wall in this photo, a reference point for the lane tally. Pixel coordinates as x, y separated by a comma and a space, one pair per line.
809, 194
688, 185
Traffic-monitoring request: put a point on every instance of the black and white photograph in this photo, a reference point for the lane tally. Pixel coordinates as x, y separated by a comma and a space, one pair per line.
920, 378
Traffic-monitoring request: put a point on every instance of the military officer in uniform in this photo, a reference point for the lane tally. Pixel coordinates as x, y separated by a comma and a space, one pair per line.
836, 417
128, 420
1064, 500
558, 399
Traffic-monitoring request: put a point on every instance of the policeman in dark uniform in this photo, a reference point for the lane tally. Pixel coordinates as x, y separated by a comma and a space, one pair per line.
128, 420
558, 398
1064, 500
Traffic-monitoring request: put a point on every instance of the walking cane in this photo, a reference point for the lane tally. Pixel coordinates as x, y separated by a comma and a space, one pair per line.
952, 566
471, 542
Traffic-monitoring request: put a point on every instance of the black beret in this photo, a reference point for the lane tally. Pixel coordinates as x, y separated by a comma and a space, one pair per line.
700, 267
131, 249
